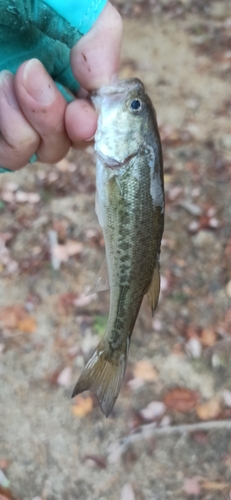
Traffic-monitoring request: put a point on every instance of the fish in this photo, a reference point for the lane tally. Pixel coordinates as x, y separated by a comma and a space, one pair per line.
130, 210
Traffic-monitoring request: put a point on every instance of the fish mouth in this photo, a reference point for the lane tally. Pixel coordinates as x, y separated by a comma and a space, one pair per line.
111, 162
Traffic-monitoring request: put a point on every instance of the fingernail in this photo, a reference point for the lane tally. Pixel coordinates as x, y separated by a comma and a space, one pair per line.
91, 138
7, 86
38, 83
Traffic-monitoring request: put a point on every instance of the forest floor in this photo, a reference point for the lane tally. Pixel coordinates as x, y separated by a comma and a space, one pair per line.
179, 370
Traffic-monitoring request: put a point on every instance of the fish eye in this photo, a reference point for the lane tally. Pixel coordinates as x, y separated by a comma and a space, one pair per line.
135, 104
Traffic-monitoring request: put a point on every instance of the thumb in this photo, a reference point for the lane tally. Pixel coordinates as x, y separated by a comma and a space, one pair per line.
95, 58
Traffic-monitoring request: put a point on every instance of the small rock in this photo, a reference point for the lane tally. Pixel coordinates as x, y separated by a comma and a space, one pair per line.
203, 239
192, 208
193, 348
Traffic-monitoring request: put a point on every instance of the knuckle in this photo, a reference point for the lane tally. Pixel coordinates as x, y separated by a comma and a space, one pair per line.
54, 150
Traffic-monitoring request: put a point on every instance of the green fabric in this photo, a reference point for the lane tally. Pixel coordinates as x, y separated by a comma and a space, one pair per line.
33, 28
46, 30
4, 170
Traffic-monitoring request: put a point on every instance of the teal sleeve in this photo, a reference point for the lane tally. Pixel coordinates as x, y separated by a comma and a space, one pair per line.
46, 30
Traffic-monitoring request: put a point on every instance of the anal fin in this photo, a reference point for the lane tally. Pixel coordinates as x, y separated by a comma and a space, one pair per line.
154, 289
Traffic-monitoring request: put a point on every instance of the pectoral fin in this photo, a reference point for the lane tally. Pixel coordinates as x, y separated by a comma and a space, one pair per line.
101, 282
154, 289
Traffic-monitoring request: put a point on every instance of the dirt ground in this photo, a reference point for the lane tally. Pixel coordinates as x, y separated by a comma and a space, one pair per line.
179, 371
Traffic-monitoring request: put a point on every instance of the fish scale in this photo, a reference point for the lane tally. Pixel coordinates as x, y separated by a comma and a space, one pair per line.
130, 208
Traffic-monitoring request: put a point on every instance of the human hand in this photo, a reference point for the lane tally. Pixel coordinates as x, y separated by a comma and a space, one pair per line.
34, 116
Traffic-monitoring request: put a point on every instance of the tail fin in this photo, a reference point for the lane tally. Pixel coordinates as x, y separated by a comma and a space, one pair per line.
103, 375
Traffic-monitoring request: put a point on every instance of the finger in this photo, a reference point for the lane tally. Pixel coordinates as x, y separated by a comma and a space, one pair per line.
81, 121
18, 140
95, 58
44, 107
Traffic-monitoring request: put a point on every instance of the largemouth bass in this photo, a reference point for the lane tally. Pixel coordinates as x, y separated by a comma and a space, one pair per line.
130, 209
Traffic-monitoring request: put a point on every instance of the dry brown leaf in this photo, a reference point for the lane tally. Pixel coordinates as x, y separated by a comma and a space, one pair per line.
180, 399
215, 486
208, 337
27, 325
17, 318
65, 303
82, 406
144, 370
209, 410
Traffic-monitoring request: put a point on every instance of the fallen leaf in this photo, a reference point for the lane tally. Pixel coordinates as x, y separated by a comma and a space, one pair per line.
83, 300
65, 377
74, 247
180, 399
59, 253
193, 348
17, 318
10, 186
127, 492
135, 384
64, 251
227, 397
165, 421
52, 377
98, 460
214, 486
208, 337
174, 192
33, 197
193, 226
144, 370
192, 486
27, 325
23, 197
66, 166
66, 303
154, 410
209, 410
82, 406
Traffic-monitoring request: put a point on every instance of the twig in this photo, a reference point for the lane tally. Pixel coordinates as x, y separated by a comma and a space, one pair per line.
150, 430
53, 240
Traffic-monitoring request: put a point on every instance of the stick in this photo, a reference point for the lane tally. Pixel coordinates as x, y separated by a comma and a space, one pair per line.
150, 430
53, 240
